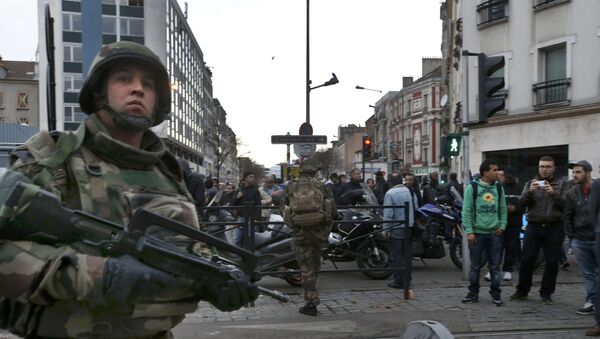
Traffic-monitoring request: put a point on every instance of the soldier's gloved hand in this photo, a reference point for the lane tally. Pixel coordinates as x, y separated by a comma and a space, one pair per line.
232, 296
126, 280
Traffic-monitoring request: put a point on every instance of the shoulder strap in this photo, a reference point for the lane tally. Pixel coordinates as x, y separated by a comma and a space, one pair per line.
67, 144
500, 196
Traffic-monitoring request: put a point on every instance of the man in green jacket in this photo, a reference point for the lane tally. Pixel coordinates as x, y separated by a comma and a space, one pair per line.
484, 219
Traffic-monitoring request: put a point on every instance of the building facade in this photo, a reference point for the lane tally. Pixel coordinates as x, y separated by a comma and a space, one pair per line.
162, 26
345, 148
19, 103
551, 81
409, 123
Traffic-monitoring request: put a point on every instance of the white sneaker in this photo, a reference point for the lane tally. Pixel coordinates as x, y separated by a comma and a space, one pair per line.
488, 277
507, 276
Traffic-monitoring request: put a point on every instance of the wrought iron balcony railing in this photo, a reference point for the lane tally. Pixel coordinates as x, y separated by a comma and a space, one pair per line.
491, 11
552, 91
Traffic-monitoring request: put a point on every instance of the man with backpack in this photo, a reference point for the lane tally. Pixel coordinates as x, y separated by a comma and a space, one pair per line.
309, 212
484, 219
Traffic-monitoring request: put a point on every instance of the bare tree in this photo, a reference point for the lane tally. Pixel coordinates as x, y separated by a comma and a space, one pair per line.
326, 159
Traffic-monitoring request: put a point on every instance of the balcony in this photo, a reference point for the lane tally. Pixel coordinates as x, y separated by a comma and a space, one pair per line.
409, 141
553, 92
542, 4
491, 12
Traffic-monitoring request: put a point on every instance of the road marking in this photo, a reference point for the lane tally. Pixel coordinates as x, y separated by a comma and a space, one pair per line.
345, 326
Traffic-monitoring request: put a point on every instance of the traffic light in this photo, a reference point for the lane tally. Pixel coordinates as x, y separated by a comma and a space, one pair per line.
452, 145
367, 142
489, 85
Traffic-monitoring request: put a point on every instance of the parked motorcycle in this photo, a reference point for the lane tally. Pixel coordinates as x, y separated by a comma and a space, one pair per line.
440, 221
272, 247
360, 238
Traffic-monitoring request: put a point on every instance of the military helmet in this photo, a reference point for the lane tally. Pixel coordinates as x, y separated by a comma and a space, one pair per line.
117, 53
309, 166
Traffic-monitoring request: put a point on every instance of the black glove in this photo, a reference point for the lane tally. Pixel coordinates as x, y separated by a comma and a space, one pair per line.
126, 280
233, 296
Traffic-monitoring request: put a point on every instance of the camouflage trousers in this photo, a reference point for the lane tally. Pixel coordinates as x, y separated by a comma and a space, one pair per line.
308, 254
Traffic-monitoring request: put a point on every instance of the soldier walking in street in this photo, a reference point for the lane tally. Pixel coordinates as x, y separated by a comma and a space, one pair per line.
580, 229
544, 201
111, 167
309, 212
484, 218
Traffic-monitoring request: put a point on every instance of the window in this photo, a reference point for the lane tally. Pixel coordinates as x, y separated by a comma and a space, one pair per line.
409, 106
72, 53
72, 22
490, 12
109, 25
22, 100
72, 82
541, 4
134, 27
554, 85
137, 3
425, 102
74, 114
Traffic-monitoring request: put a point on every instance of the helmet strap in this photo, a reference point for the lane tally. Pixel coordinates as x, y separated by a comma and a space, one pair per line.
128, 121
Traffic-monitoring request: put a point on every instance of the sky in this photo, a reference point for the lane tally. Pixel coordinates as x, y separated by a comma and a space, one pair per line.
257, 52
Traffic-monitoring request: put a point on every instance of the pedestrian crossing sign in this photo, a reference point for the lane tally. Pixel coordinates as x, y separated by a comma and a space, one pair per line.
452, 145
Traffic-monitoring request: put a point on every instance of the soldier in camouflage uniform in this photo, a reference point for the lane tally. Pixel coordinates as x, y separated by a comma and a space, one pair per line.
111, 166
307, 240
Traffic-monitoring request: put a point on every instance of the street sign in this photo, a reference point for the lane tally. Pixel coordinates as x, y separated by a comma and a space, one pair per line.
305, 129
452, 145
298, 139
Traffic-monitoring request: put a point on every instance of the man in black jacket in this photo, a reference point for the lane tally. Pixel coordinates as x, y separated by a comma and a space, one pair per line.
351, 192
594, 202
247, 192
580, 229
433, 189
543, 199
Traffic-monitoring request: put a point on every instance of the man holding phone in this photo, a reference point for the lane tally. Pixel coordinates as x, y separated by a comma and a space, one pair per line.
543, 199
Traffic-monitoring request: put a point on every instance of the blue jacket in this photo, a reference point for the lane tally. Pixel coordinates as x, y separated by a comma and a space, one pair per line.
397, 196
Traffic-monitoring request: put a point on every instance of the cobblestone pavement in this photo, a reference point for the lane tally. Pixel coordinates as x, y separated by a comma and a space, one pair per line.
525, 319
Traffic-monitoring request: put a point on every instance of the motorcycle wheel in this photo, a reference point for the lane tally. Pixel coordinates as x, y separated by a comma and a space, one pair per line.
456, 251
368, 258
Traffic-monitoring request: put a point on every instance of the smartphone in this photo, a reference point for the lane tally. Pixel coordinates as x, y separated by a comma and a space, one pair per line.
541, 183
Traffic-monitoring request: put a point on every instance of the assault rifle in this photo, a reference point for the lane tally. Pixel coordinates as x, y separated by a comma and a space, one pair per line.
41, 218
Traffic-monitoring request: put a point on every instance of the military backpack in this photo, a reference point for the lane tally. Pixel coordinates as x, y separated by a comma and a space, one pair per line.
308, 206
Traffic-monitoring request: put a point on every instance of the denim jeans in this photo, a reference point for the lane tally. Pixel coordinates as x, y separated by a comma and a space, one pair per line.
549, 239
492, 245
586, 260
398, 261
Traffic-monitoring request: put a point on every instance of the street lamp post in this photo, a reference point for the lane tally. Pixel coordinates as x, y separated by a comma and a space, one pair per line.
334, 80
368, 89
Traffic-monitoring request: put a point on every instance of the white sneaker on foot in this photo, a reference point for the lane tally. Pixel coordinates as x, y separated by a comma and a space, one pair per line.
507, 276
488, 277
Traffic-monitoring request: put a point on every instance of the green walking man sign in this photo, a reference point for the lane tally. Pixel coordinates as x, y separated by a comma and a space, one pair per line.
452, 145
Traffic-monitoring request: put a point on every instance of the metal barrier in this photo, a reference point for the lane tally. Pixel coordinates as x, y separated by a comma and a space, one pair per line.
249, 226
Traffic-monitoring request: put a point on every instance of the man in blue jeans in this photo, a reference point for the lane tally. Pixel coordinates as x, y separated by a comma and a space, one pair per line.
484, 219
580, 230
398, 195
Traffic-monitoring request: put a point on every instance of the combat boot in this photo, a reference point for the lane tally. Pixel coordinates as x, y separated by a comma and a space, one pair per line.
309, 309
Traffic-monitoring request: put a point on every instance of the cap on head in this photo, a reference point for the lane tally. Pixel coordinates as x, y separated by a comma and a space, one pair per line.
308, 167
123, 52
587, 167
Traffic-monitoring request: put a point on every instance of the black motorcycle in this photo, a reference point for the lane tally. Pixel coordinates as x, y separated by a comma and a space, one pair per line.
360, 237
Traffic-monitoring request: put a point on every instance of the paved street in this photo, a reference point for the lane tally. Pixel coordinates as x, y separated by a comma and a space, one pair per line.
354, 306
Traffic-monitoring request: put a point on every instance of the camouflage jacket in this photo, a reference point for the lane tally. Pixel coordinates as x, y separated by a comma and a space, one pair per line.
46, 291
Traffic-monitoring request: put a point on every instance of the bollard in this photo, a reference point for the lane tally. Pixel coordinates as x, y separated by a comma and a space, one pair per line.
426, 329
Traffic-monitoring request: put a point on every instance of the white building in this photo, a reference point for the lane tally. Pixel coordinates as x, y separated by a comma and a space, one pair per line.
552, 82
162, 26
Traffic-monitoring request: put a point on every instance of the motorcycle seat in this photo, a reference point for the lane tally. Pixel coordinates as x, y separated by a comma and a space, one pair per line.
268, 237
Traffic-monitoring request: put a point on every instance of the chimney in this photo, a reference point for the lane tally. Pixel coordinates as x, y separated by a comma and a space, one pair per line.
407, 81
